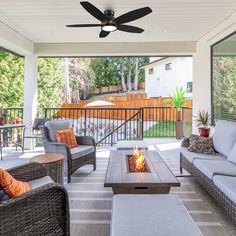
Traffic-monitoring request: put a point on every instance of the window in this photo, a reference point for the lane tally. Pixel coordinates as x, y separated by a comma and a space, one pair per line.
168, 66
189, 87
150, 71
223, 79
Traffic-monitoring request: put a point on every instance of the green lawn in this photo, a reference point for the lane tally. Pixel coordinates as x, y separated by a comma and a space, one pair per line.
161, 129
166, 129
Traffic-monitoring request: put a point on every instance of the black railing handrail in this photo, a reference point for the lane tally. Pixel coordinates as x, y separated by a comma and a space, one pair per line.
126, 121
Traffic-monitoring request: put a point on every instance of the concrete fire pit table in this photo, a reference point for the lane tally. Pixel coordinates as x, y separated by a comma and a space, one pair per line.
158, 178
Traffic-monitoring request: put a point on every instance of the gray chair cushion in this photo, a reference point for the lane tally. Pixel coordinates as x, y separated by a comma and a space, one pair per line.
191, 156
54, 125
80, 151
36, 183
232, 154
151, 215
217, 167
224, 136
227, 185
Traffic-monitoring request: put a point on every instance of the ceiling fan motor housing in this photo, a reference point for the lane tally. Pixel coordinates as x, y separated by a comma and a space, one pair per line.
109, 23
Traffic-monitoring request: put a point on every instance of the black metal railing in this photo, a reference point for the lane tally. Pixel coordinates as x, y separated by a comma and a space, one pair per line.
10, 116
106, 125
159, 122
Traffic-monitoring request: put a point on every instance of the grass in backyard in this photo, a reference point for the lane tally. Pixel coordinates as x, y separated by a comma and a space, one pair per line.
161, 129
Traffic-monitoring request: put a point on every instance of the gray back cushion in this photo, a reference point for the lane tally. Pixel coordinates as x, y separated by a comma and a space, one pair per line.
232, 154
54, 125
224, 136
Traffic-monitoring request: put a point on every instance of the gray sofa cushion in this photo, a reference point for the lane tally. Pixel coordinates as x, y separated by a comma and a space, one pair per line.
227, 185
232, 154
80, 151
224, 136
54, 125
217, 167
151, 215
191, 156
36, 183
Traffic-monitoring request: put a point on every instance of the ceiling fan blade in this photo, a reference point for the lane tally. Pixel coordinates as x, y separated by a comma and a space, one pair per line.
93, 10
133, 15
84, 25
103, 34
130, 29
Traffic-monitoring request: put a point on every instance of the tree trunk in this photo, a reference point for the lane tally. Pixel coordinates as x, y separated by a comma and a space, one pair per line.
129, 80
136, 76
124, 88
67, 95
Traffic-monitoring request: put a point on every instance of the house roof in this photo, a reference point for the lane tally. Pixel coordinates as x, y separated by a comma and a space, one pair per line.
154, 62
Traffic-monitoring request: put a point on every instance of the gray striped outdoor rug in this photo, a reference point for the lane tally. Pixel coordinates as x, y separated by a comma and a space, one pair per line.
90, 203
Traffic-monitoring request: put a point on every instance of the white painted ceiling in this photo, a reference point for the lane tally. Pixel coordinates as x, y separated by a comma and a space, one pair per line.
43, 21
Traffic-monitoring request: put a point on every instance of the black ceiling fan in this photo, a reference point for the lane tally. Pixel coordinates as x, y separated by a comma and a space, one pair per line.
109, 23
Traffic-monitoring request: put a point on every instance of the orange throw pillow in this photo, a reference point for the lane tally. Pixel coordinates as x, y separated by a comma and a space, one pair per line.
67, 136
11, 186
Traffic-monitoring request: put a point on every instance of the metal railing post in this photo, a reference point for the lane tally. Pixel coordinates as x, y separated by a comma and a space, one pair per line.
45, 112
142, 120
125, 122
85, 122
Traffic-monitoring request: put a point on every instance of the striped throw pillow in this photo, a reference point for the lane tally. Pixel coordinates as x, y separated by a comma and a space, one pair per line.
67, 136
11, 186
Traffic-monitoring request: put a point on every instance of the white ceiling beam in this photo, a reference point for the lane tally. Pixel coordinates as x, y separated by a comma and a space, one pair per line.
15, 42
116, 49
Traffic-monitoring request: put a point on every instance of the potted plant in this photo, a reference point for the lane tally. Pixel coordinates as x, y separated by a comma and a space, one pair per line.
178, 101
203, 121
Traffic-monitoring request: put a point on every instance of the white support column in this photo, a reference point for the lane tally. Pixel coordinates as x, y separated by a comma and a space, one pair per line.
30, 93
201, 80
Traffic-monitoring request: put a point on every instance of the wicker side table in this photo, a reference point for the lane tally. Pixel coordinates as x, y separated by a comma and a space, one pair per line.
53, 162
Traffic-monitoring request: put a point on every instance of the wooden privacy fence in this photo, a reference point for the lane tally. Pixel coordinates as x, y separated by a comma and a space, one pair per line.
153, 109
148, 113
131, 103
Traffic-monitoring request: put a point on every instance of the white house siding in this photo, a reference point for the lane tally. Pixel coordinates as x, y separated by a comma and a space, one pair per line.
163, 82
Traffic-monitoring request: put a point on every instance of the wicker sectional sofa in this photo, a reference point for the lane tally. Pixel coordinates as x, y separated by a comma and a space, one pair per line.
216, 173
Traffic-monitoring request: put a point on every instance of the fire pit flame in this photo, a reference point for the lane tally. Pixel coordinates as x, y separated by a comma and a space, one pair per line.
140, 158
137, 161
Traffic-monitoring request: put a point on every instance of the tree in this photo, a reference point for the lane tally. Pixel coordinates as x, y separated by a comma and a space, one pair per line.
136, 73
50, 83
224, 85
81, 77
105, 71
11, 80
67, 95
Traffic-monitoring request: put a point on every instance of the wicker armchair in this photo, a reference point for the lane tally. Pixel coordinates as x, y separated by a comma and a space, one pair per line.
41, 211
73, 164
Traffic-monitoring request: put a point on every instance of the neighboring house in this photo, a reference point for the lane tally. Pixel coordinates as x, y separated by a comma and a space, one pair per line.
162, 75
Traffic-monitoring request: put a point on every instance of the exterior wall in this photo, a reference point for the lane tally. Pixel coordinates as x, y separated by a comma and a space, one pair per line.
202, 65
163, 82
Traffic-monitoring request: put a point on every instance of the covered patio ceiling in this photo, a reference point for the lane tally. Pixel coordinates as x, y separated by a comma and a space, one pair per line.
173, 27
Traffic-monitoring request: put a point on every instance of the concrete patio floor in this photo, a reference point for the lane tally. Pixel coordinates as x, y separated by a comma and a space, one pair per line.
168, 148
90, 201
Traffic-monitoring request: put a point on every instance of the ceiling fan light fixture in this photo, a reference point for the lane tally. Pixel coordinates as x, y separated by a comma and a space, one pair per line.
109, 28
